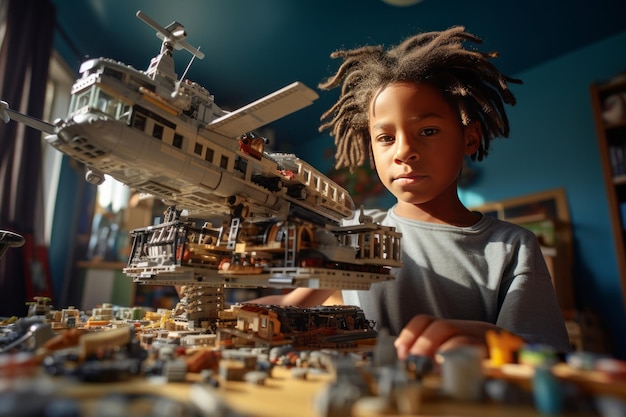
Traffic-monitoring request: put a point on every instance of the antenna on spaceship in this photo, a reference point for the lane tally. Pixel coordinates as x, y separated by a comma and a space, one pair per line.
188, 66
173, 35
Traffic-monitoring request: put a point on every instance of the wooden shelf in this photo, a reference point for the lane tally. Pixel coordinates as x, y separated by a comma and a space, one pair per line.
619, 180
610, 87
612, 136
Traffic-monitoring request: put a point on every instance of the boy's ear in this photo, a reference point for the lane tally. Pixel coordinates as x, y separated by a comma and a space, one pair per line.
473, 136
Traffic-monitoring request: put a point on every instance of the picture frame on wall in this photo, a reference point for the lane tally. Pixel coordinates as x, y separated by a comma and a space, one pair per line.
549, 204
545, 213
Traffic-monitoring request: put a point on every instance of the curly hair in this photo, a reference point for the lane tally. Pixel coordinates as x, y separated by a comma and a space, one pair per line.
466, 78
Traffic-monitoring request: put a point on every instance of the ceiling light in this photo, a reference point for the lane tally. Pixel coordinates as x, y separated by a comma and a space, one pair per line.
402, 3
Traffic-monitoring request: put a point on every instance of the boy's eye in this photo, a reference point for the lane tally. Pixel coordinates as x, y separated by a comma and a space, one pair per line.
384, 138
429, 131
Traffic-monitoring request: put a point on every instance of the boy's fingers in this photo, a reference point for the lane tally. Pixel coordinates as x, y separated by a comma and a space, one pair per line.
425, 336
411, 333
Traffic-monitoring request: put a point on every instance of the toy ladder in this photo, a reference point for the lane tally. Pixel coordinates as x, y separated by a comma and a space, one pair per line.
291, 245
235, 224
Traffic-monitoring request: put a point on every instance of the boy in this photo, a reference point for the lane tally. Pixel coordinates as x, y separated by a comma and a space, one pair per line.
419, 109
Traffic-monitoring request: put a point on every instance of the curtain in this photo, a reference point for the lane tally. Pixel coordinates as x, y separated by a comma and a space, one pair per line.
26, 39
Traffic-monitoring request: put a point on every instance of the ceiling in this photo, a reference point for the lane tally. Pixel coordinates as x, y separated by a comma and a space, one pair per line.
254, 47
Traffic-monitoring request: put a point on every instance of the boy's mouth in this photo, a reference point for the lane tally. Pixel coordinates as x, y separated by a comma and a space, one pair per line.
408, 179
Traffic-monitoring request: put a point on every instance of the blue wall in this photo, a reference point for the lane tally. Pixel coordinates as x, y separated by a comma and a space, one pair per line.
553, 144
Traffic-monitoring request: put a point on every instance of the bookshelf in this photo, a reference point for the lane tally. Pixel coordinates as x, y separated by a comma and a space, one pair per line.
609, 111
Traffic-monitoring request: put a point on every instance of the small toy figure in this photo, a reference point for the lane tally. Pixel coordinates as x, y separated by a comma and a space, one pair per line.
40, 306
547, 392
462, 373
502, 346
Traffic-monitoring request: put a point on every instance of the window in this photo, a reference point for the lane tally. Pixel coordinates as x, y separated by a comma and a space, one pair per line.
112, 72
241, 164
178, 141
209, 155
198, 149
139, 121
157, 131
81, 100
60, 80
224, 162
125, 110
106, 103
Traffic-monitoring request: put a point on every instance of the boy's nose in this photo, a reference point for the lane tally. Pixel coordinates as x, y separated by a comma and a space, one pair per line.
404, 151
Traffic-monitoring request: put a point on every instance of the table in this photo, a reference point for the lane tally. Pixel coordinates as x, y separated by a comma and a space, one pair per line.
285, 396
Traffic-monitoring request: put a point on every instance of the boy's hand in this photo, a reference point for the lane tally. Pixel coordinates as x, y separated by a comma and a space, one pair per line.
301, 297
426, 335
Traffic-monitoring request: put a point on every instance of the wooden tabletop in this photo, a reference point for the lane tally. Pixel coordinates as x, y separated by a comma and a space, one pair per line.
285, 396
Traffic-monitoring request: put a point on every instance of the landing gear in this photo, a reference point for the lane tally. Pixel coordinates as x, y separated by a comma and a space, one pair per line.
94, 177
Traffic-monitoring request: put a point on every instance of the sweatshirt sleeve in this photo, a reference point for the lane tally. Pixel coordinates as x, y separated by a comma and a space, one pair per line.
529, 306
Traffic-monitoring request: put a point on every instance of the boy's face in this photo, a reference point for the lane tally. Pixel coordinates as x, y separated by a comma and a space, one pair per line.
418, 143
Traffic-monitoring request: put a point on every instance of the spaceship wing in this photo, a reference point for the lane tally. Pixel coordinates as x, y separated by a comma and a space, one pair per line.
265, 110
7, 114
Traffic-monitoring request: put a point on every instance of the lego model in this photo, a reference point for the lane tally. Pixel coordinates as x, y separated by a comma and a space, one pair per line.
317, 327
239, 215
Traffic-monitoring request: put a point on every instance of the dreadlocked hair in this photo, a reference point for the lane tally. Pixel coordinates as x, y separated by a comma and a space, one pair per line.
468, 80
